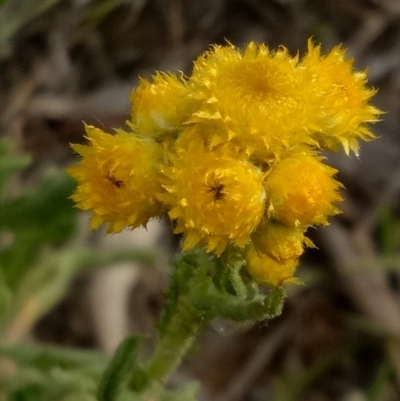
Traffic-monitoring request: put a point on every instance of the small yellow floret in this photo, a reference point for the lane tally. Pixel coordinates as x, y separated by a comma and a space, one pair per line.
159, 107
215, 197
258, 94
301, 190
264, 269
340, 97
280, 242
117, 179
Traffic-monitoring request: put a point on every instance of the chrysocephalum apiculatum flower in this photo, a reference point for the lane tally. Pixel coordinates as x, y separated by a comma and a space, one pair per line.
231, 153
267, 270
117, 179
216, 198
301, 191
279, 241
340, 99
159, 107
258, 93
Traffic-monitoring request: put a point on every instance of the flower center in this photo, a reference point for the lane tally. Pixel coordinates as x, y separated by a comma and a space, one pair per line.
217, 191
117, 183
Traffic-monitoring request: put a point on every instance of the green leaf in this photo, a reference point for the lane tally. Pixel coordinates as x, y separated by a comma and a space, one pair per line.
30, 384
27, 392
14, 14
97, 11
47, 373
10, 162
36, 219
20, 257
79, 397
273, 303
236, 279
45, 358
189, 393
46, 211
389, 231
377, 388
41, 288
120, 370
6, 298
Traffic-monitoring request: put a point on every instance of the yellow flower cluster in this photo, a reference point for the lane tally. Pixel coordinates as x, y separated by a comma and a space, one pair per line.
231, 153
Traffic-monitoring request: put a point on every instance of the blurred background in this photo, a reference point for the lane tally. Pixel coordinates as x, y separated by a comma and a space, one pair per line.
63, 62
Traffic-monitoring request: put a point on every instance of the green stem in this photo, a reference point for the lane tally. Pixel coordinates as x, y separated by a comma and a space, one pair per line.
170, 350
195, 297
178, 331
180, 322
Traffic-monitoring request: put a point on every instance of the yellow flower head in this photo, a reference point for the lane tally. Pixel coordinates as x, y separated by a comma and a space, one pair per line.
215, 197
301, 190
231, 153
340, 97
258, 94
264, 269
159, 107
117, 179
280, 242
